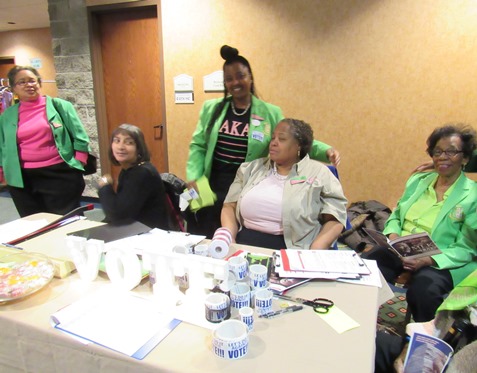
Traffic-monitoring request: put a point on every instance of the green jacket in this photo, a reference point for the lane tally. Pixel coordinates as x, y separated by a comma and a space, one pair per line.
455, 228
264, 117
68, 132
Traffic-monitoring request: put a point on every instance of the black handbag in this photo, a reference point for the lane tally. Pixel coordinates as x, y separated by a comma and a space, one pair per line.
91, 165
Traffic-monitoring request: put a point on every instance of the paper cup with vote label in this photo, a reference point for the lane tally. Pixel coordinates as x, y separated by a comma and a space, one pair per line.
253, 291
240, 296
263, 301
230, 339
239, 266
217, 307
201, 250
258, 275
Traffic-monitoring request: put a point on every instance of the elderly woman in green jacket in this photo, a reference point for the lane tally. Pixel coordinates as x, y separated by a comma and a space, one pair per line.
43, 148
442, 203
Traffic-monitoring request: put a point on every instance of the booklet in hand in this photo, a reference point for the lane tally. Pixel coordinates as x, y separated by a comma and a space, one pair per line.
414, 246
427, 354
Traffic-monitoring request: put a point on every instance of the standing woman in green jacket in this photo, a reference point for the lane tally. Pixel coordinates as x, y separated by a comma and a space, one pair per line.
43, 148
231, 130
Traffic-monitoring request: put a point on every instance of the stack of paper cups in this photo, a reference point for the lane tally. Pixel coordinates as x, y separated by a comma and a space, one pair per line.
219, 247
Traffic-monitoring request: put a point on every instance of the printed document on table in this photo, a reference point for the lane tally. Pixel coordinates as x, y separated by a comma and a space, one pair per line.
316, 275
121, 321
338, 261
373, 279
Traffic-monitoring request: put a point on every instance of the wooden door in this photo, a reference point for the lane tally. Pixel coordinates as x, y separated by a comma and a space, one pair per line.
132, 80
6, 63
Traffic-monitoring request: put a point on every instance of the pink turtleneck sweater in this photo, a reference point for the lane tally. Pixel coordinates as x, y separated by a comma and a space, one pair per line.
36, 144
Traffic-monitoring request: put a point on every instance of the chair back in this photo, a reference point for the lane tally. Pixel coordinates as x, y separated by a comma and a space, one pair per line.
174, 187
334, 171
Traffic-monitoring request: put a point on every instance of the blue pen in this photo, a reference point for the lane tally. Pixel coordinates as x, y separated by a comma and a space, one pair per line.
281, 312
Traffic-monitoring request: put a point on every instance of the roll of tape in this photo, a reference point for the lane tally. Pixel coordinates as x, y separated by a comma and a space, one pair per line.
230, 339
123, 268
217, 307
219, 247
246, 316
223, 233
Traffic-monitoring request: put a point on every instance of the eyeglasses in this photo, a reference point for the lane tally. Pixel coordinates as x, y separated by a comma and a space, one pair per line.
449, 152
23, 83
238, 76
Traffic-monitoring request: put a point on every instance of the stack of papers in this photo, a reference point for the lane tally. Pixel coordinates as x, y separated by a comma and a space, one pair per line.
121, 321
325, 264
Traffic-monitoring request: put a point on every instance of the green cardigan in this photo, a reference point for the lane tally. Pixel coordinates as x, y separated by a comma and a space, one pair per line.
264, 117
455, 228
68, 132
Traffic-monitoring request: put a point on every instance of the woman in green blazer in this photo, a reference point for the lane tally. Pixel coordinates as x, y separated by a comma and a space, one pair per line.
231, 130
43, 148
444, 204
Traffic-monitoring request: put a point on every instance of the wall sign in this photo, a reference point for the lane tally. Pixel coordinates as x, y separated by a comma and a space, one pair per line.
214, 82
184, 89
36, 63
184, 97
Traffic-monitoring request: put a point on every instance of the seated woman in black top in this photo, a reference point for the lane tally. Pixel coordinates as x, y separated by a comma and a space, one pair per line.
140, 193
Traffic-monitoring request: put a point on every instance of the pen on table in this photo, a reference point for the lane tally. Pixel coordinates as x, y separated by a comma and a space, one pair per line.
63, 220
45, 229
280, 312
11, 246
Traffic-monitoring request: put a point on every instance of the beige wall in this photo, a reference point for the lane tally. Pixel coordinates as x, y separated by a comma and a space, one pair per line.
372, 77
27, 44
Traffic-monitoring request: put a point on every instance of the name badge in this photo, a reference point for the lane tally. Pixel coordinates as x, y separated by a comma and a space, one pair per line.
297, 180
256, 135
457, 213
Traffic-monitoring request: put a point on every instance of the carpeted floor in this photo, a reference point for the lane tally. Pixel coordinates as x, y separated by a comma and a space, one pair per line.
9, 212
392, 314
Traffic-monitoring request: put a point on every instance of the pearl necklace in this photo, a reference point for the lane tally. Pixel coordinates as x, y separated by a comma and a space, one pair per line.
235, 112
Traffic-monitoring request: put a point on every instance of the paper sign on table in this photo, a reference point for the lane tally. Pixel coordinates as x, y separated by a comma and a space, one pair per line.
120, 321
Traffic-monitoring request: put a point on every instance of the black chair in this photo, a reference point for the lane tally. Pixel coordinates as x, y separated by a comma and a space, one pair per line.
174, 187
